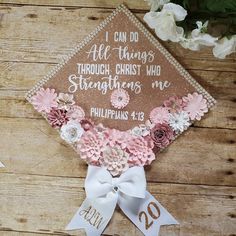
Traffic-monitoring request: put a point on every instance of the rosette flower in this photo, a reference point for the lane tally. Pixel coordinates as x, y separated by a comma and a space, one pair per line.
90, 147
162, 135
140, 151
115, 160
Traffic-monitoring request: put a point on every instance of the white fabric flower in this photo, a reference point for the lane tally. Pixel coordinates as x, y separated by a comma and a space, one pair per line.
225, 47
179, 121
72, 131
198, 38
141, 130
164, 22
156, 4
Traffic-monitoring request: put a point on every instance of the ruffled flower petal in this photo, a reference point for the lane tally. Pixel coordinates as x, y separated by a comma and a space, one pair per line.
44, 100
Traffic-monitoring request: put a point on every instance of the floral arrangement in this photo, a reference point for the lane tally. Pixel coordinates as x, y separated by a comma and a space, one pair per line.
114, 149
195, 24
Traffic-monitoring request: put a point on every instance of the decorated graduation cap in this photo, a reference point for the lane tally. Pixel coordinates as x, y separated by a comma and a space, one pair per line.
119, 99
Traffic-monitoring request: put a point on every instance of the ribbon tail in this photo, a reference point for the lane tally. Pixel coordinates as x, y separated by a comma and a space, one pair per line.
147, 213
94, 215
1, 165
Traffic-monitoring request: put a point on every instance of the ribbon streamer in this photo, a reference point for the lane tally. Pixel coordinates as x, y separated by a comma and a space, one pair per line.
128, 191
1, 165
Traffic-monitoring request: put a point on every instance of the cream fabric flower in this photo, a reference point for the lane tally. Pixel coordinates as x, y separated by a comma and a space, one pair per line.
198, 38
156, 4
225, 47
164, 22
65, 101
115, 160
72, 131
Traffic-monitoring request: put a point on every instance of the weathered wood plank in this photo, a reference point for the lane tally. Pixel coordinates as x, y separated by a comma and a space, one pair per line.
36, 199
46, 35
203, 156
10, 232
133, 4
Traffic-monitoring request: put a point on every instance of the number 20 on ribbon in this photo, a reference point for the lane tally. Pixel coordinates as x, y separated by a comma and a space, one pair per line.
153, 213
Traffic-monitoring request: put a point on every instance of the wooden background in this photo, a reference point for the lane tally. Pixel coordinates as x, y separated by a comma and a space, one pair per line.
42, 184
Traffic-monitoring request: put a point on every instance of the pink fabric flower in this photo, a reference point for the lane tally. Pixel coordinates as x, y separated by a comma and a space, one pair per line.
65, 101
162, 135
90, 147
44, 100
174, 104
196, 105
115, 160
87, 124
76, 113
57, 118
159, 115
114, 137
119, 98
140, 152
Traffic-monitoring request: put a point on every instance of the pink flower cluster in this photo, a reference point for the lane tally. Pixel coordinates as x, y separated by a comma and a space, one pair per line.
58, 109
174, 116
129, 149
118, 150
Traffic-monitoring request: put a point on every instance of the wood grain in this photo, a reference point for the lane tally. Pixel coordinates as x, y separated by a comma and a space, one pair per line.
42, 184
48, 203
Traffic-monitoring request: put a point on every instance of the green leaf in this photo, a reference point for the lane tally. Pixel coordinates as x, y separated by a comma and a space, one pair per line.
217, 6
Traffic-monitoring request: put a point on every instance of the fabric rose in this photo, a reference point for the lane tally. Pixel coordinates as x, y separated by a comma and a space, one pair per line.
164, 22
162, 135
115, 160
71, 132
224, 47
76, 113
57, 117
87, 124
44, 100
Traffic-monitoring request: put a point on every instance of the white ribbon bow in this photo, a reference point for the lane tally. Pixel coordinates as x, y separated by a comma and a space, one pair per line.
128, 191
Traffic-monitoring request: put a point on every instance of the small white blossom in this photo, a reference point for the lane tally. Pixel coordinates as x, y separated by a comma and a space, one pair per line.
225, 47
72, 131
143, 129
156, 4
198, 38
179, 121
164, 22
